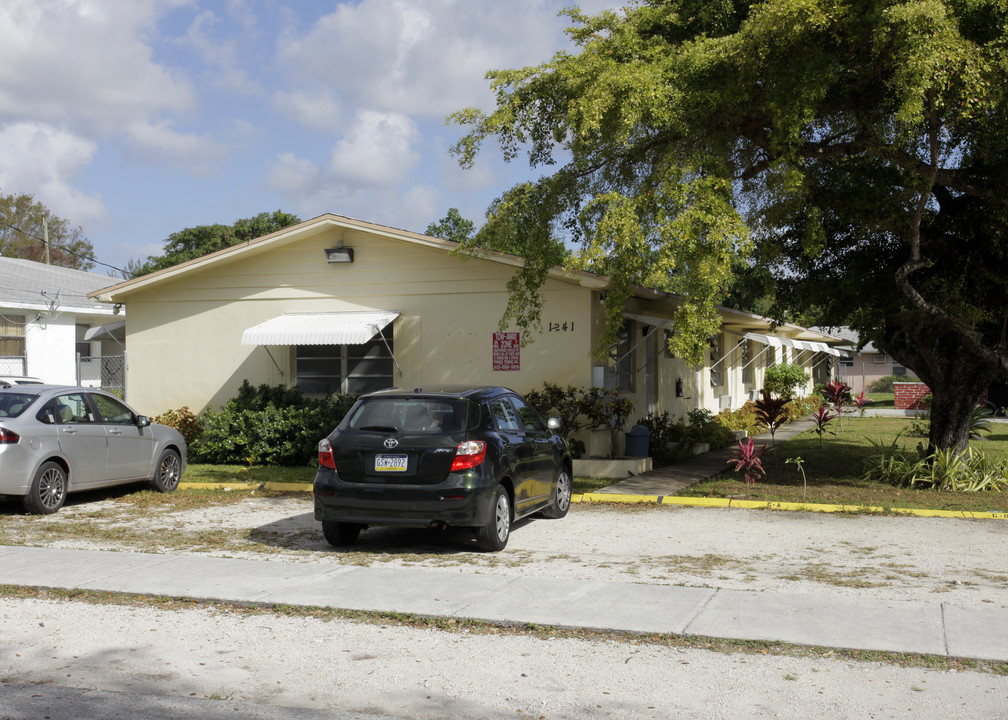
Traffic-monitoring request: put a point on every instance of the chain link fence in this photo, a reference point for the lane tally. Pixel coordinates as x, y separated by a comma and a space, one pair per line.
107, 372
12, 365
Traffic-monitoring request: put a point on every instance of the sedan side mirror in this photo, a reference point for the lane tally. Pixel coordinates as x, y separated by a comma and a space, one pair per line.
553, 424
142, 421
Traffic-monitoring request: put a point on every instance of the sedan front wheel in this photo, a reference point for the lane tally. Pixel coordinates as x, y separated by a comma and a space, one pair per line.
168, 472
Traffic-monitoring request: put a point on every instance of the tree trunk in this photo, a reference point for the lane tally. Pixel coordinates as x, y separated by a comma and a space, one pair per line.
956, 376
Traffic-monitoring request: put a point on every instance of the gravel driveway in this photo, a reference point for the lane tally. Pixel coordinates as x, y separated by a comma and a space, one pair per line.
246, 660
955, 561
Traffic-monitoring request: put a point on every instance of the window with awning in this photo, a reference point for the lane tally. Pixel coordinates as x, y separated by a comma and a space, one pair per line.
339, 352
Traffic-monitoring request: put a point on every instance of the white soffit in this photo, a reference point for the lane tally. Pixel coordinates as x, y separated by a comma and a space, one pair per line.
335, 328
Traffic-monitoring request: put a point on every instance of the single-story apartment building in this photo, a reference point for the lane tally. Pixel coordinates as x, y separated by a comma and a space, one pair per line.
52, 330
335, 304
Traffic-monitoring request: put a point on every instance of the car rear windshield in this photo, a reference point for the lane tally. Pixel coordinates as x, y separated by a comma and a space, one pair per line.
13, 404
414, 415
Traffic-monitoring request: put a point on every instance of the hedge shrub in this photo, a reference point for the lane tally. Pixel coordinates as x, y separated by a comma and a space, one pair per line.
268, 426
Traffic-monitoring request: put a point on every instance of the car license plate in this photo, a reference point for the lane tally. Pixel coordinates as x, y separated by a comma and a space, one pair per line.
390, 463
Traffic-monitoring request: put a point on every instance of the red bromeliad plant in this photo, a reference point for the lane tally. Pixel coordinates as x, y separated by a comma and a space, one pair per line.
838, 393
822, 418
859, 402
770, 411
747, 460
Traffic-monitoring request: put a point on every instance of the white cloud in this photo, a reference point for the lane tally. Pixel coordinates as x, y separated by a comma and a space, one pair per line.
84, 64
220, 43
40, 159
423, 57
378, 148
316, 109
293, 176
158, 142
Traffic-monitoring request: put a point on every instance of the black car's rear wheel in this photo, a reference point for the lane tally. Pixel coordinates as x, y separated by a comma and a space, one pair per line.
48, 490
340, 534
493, 536
560, 503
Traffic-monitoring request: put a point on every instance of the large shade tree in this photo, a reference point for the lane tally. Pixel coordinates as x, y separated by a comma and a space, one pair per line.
855, 149
26, 224
200, 240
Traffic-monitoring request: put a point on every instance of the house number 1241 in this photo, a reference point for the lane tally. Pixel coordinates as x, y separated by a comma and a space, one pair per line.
561, 327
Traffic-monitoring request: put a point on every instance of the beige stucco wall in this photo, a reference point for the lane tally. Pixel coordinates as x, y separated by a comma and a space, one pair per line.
185, 333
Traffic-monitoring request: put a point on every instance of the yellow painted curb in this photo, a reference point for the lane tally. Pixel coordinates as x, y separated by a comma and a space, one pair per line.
664, 500
625, 499
241, 485
774, 505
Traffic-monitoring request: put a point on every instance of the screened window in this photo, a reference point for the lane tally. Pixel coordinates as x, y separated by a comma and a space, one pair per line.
12, 345
747, 364
622, 376
344, 369
717, 367
880, 359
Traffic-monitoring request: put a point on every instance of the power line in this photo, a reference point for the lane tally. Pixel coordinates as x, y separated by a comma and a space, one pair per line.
63, 248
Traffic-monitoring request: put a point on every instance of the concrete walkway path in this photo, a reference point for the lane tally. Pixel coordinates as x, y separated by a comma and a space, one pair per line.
673, 479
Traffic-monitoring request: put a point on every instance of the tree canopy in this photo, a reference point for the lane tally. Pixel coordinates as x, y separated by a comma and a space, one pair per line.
22, 234
452, 227
201, 240
855, 151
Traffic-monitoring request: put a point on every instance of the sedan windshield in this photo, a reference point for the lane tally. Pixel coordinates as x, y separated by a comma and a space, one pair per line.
13, 404
422, 415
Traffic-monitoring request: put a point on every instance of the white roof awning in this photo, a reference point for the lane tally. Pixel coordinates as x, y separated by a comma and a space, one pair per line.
774, 341
658, 322
334, 328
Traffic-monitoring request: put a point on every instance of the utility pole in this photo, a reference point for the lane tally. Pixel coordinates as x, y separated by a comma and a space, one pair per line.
45, 239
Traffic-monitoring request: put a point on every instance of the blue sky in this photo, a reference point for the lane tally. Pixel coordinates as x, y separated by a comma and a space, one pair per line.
136, 119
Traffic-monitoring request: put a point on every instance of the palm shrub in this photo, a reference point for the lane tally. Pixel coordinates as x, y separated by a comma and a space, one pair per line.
822, 417
967, 470
747, 459
771, 412
838, 394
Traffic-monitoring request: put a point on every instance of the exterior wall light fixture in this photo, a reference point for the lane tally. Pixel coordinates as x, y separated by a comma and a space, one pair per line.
339, 254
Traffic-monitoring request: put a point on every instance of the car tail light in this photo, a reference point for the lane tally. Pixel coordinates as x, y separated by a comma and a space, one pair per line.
468, 455
325, 454
8, 436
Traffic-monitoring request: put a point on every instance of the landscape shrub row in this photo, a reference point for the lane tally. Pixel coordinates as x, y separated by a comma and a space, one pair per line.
264, 425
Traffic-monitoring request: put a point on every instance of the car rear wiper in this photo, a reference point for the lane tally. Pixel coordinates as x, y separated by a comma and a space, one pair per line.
380, 428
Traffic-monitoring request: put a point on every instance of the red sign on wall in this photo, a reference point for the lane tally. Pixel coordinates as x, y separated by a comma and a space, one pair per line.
506, 351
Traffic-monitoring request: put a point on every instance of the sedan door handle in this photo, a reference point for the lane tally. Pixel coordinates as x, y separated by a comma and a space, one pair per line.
70, 430
115, 431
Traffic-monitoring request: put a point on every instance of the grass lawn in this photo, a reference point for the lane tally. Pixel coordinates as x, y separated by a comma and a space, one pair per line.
835, 469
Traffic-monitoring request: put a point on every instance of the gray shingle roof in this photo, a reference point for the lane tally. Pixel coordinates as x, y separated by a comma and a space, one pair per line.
24, 283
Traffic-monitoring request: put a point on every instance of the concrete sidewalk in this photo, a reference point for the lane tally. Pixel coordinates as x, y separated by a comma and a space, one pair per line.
822, 620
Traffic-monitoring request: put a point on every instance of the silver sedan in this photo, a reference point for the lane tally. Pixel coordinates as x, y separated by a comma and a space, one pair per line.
57, 439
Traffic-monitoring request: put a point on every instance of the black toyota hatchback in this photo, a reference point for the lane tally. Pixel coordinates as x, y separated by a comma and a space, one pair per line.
477, 457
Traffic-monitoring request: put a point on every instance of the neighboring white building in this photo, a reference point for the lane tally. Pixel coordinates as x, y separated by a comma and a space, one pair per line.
47, 321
